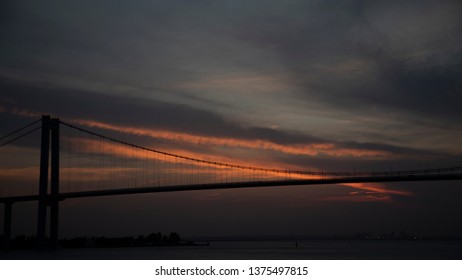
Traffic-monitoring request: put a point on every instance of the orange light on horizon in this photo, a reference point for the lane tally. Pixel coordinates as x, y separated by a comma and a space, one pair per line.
376, 188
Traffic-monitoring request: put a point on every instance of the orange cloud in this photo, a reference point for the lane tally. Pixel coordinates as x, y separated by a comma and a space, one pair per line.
367, 192
308, 150
360, 198
25, 112
373, 188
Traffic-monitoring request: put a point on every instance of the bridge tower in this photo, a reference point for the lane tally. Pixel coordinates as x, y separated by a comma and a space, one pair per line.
49, 139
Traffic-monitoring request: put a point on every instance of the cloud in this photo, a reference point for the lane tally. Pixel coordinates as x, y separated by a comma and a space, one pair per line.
376, 188
335, 67
377, 58
258, 143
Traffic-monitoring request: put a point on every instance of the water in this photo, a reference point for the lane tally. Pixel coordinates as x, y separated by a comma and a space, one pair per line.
265, 250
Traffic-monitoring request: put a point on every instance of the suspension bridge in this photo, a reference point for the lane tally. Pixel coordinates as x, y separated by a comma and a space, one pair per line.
75, 162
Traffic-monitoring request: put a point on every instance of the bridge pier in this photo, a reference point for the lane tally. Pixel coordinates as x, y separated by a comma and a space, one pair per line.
45, 200
7, 225
43, 182
54, 203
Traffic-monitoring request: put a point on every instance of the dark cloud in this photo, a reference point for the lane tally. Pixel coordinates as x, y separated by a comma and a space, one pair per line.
72, 104
342, 55
351, 56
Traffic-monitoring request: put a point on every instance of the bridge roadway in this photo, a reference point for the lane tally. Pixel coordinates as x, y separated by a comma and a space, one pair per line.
238, 185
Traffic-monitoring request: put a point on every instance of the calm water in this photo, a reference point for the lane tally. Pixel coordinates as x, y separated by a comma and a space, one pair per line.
321, 250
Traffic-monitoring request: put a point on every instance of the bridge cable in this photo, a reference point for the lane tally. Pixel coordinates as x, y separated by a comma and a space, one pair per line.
20, 136
287, 172
20, 129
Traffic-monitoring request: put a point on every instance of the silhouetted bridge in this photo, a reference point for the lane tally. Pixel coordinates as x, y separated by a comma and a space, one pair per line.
92, 164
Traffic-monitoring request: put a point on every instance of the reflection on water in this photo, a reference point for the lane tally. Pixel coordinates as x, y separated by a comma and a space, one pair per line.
304, 249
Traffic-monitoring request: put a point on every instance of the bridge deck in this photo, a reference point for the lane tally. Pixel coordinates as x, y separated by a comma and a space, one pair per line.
237, 185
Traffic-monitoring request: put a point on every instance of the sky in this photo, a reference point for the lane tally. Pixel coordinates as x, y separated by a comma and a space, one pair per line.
299, 85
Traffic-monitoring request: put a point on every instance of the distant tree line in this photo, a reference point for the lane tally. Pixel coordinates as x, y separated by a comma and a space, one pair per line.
153, 239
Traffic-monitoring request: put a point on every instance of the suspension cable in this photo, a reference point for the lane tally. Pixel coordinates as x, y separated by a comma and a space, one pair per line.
20, 136
20, 129
252, 168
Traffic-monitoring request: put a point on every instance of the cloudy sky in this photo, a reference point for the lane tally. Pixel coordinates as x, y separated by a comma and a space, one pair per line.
303, 85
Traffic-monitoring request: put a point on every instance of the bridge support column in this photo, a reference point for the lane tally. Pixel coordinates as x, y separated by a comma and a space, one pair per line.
49, 126
7, 225
43, 182
54, 207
